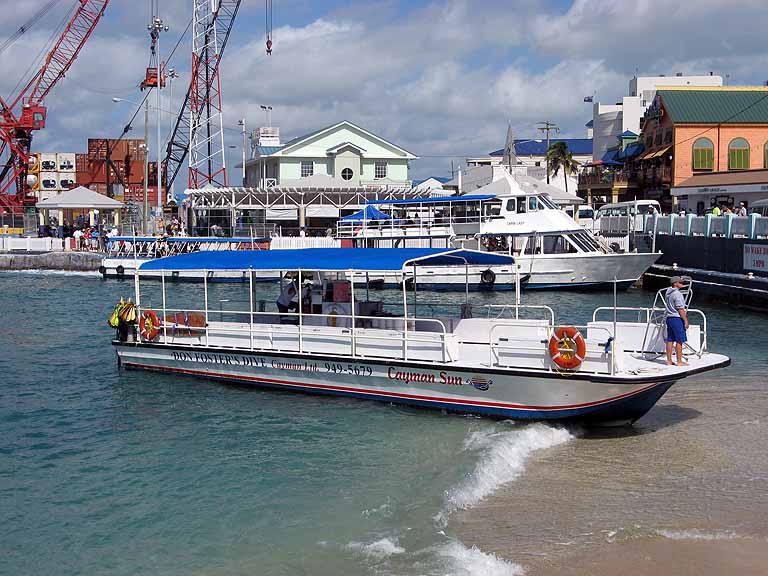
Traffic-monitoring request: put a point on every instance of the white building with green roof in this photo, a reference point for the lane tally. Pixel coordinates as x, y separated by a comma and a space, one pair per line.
342, 155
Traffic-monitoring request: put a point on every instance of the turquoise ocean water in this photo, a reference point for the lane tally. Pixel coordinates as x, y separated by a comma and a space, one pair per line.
111, 472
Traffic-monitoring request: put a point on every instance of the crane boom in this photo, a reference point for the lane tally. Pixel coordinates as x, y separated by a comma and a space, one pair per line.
16, 128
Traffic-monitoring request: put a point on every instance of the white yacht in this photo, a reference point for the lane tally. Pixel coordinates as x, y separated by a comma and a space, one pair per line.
550, 248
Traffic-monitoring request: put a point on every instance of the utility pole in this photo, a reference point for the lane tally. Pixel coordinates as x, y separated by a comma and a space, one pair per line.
241, 123
546, 127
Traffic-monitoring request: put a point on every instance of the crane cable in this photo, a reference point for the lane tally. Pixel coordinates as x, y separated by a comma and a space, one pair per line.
36, 63
39, 15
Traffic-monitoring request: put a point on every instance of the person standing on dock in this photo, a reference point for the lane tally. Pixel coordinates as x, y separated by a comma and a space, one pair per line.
676, 320
742, 209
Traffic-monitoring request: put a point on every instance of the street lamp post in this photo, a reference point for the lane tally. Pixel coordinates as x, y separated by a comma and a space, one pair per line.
241, 123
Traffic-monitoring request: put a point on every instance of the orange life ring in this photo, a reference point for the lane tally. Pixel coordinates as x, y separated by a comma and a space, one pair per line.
149, 325
567, 347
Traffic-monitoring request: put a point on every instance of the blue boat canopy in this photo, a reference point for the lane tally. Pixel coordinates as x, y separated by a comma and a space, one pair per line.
434, 200
368, 213
326, 259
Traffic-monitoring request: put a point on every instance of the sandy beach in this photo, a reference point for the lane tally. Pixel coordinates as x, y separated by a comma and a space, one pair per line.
746, 557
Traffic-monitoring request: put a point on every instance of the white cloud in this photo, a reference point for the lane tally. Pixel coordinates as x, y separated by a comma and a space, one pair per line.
440, 79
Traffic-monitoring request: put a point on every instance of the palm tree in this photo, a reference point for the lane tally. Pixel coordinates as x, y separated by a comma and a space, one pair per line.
558, 156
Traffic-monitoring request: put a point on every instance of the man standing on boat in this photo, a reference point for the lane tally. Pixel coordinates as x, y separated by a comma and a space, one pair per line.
676, 320
285, 302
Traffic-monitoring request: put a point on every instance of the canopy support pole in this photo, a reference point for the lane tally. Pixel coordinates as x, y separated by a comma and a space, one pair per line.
405, 318
299, 292
163, 322
250, 305
205, 303
352, 305
415, 313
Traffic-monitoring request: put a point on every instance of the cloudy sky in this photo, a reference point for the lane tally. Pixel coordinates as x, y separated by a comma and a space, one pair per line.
441, 78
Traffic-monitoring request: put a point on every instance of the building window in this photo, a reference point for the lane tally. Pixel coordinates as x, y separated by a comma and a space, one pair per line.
307, 168
703, 154
765, 155
537, 163
347, 174
668, 136
738, 154
379, 170
657, 140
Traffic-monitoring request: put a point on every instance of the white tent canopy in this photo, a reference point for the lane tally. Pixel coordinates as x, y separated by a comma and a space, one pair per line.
519, 182
79, 198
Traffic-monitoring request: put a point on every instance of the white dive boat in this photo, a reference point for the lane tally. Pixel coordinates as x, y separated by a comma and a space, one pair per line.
125, 253
551, 249
510, 361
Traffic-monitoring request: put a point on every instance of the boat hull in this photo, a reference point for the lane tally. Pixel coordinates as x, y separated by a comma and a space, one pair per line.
540, 272
499, 393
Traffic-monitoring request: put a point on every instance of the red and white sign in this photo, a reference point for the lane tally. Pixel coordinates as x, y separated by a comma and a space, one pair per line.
756, 257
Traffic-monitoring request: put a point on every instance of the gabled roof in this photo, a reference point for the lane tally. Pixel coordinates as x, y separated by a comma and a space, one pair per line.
579, 146
338, 147
628, 134
590, 124
301, 139
716, 106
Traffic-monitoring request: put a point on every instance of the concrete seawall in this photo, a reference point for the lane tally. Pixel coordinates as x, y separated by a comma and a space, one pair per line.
73, 261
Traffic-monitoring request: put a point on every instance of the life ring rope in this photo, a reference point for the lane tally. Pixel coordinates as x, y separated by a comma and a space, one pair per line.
149, 325
567, 347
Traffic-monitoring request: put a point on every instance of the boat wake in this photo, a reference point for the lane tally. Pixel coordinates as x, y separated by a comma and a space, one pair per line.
91, 273
503, 458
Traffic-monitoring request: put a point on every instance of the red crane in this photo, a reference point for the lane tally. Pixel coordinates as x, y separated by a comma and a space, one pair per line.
26, 111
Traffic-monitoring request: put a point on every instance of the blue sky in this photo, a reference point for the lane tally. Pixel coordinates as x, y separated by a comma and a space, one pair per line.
440, 78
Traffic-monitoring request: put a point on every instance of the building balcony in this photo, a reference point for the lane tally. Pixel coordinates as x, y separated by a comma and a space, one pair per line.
617, 179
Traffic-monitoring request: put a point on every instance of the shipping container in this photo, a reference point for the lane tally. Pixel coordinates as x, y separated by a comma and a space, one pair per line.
81, 163
49, 181
66, 180
65, 161
47, 162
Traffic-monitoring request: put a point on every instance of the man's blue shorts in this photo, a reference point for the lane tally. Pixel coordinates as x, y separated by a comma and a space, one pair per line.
675, 330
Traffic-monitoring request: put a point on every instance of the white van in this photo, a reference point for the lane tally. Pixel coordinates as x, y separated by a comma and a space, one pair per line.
630, 208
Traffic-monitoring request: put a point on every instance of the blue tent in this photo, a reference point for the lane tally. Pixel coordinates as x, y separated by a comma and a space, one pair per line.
367, 213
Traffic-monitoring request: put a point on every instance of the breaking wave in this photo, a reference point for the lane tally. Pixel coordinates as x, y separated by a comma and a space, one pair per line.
37, 272
378, 549
695, 534
503, 460
463, 561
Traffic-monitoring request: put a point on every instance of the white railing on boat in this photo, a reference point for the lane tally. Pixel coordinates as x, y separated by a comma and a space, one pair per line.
648, 316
